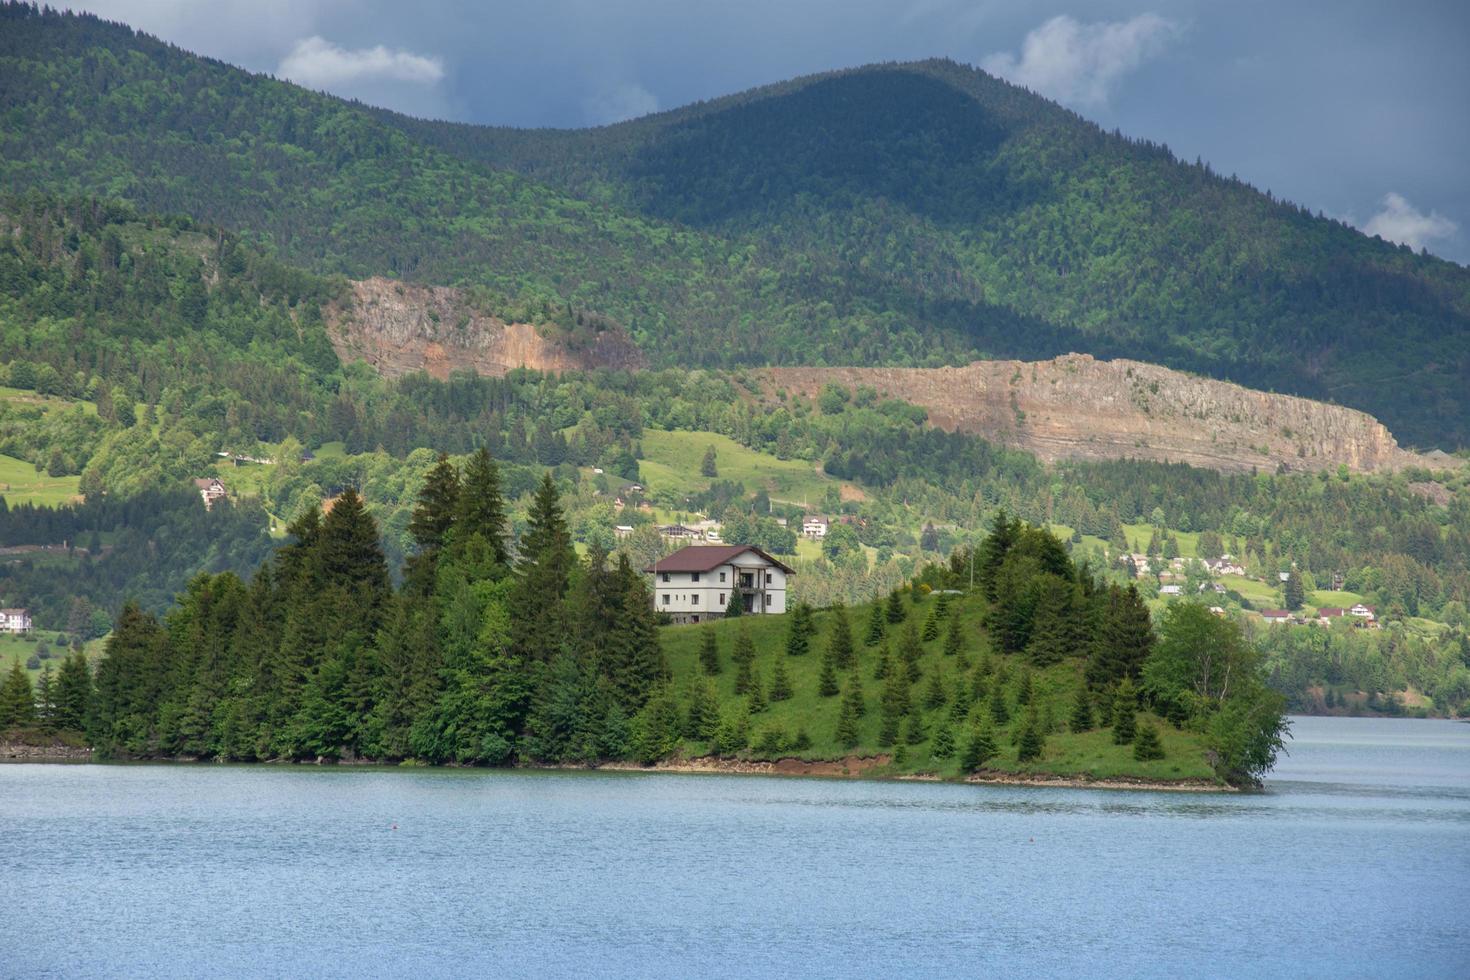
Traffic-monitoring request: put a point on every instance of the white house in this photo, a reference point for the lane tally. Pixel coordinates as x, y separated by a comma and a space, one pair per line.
814, 526
15, 621
211, 489
1171, 590
698, 583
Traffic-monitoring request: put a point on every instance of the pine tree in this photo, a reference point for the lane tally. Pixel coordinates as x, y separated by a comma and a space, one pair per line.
543, 576
959, 708
780, 682
935, 695
979, 749
17, 699
895, 611
841, 643
931, 626
709, 651
1056, 630
909, 647
73, 692
827, 681
999, 711
703, 716
1024, 690
954, 639
1032, 742
798, 631
708, 466
1146, 744
854, 696
993, 551
438, 504
744, 658
943, 747
481, 512
757, 693
913, 730
1293, 592
847, 727
46, 700
877, 624
941, 605
883, 666
1081, 720
1125, 714
1124, 641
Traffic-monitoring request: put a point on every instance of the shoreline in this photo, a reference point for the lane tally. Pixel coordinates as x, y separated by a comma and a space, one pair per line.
850, 767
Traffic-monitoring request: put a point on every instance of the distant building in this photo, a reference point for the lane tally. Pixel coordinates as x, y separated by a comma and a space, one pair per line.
211, 489
1275, 616
700, 582
1171, 590
678, 532
15, 621
814, 527
621, 531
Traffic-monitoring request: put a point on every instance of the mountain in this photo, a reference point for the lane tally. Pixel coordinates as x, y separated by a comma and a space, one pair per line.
917, 214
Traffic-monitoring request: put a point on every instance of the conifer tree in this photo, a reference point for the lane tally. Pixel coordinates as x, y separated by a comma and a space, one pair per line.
780, 682
1125, 714
756, 694
1024, 690
841, 643
941, 605
1105, 709
1124, 641
1031, 742
979, 748
999, 711
798, 631
1292, 591
703, 716
635, 659
935, 695
883, 666
17, 699
744, 658
543, 576
959, 708
438, 504
827, 680
709, 651
913, 730
877, 624
954, 638
895, 612
46, 700
980, 682
1081, 719
931, 626
1056, 630
73, 692
909, 647
847, 727
993, 551
481, 512
900, 754
854, 696
943, 747
1146, 744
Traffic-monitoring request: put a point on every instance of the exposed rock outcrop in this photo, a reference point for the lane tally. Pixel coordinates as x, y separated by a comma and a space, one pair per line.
402, 327
1078, 407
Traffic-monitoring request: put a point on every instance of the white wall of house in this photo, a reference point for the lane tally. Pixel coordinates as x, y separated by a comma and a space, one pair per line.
686, 594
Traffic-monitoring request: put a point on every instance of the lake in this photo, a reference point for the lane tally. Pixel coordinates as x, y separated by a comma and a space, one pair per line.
1354, 862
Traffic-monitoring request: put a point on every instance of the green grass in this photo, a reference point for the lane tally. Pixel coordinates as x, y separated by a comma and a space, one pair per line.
331, 450
19, 396
1326, 597
1091, 753
20, 483
671, 462
1260, 594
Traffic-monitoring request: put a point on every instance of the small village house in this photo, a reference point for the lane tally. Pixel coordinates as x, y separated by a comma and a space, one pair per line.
15, 621
211, 489
700, 582
814, 526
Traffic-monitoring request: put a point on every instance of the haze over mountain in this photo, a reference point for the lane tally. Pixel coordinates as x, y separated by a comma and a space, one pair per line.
910, 214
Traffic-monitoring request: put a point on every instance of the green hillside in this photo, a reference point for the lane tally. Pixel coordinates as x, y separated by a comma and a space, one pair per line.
906, 214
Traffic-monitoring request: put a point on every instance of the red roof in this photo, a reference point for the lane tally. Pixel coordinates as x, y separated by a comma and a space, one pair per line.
707, 557
1330, 611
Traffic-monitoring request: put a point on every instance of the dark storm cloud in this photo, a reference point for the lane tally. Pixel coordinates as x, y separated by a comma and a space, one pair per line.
1352, 108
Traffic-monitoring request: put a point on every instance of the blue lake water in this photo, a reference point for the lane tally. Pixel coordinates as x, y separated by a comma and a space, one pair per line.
1354, 862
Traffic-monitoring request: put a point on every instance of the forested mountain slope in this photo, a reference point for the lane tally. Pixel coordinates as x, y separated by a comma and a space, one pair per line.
899, 214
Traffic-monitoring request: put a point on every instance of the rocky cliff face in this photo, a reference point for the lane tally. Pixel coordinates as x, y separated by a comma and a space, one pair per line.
1077, 407
402, 327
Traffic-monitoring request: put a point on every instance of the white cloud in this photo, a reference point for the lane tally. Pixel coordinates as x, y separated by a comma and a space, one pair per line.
318, 63
1080, 63
1399, 221
626, 100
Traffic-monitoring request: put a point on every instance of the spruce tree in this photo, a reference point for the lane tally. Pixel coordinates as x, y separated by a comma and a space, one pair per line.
895, 611
941, 605
73, 692
1024, 690
744, 658
1146, 744
847, 727
913, 730
1031, 742
999, 711
709, 651
1292, 591
1081, 720
943, 747
954, 638
17, 699
1124, 641
931, 626
798, 631
883, 666
780, 682
481, 512
543, 576
909, 647
827, 681
979, 749
841, 643
1056, 629
438, 504
935, 695
1125, 714
756, 693
854, 696
703, 716
877, 624
46, 700
959, 708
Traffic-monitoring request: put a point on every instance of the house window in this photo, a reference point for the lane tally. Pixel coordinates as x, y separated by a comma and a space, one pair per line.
722, 598
666, 576
768, 578
768, 598
722, 578
694, 577
666, 598
694, 600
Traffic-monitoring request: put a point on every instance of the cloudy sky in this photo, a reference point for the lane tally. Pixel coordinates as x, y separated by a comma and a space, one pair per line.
1354, 108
